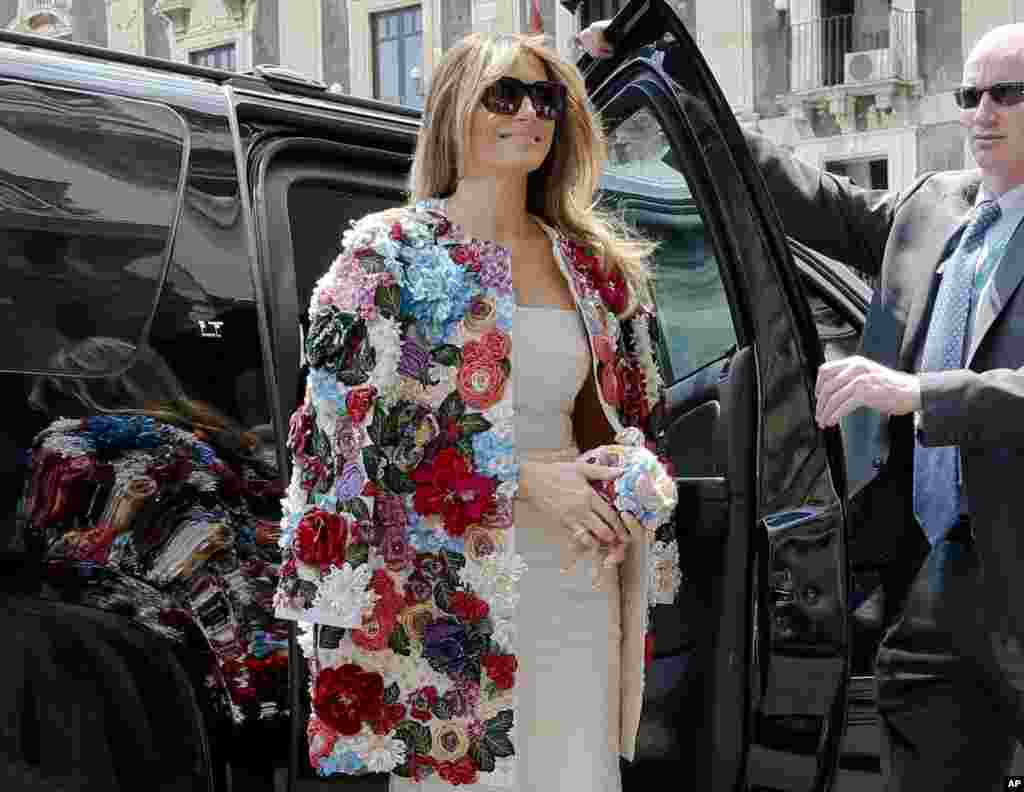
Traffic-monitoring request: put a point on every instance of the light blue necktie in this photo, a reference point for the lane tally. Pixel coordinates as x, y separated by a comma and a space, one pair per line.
936, 488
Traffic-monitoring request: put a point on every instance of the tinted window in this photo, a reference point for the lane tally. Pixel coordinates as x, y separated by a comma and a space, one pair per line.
643, 182
88, 195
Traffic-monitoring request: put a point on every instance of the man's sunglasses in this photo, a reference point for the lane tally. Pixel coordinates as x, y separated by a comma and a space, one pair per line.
1006, 94
505, 96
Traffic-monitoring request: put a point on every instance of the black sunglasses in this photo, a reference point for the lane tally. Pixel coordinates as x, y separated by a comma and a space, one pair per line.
505, 96
1006, 94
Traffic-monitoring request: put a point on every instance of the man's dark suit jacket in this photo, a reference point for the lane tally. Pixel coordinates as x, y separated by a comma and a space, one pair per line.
903, 237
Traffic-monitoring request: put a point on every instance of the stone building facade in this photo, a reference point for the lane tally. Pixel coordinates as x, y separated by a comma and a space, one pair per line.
862, 87
373, 48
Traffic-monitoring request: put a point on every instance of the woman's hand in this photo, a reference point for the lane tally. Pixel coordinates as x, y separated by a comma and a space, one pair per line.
562, 491
593, 41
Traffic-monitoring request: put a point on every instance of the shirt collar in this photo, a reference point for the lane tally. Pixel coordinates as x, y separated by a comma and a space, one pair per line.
1009, 201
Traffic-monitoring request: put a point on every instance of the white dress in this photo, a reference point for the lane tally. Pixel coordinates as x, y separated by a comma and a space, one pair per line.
566, 702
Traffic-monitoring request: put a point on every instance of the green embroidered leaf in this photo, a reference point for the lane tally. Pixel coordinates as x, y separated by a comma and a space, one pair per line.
373, 460
506, 366
447, 355
465, 447
500, 723
376, 428
388, 299
391, 693
442, 591
480, 753
471, 423
357, 554
456, 561
397, 481
422, 741
399, 641
441, 710
356, 507
491, 689
498, 744
451, 407
353, 377
415, 735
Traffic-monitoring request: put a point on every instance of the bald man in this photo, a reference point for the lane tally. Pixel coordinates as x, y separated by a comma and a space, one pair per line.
943, 357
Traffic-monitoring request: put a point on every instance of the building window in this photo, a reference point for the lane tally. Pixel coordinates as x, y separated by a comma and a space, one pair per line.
870, 173
222, 57
398, 56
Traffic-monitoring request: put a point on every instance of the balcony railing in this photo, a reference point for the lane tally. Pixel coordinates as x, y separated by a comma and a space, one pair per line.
853, 48
30, 7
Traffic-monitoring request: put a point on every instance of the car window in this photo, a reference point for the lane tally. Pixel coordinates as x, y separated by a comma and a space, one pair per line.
643, 183
88, 195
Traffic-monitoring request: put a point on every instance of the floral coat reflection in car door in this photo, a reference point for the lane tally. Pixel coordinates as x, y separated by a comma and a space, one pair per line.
397, 526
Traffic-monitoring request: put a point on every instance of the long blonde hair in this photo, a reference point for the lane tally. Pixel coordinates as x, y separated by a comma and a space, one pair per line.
562, 191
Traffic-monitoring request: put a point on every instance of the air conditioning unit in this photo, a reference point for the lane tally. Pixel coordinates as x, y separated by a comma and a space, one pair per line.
879, 64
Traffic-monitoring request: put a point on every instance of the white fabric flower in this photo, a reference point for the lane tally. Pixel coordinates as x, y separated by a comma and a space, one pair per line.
665, 575
386, 340
495, 578
504, 634
384, 754
305, 640
344, 594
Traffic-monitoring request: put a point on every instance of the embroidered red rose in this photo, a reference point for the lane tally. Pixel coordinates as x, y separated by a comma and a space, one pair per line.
358, 402
604, 348
613, 291
473, 351
396, 231
300, 429
378, 626
611, 388
468, 607
346, 696
421, 702
466, 256
321, 538
497, 344
481, 383
448, 486
390, 716
461, 771
501, 669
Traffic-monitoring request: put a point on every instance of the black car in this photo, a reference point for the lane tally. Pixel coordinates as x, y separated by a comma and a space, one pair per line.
193, 210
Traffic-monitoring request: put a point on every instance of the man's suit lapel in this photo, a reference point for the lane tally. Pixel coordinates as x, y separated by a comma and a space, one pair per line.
917, 321
1005, 280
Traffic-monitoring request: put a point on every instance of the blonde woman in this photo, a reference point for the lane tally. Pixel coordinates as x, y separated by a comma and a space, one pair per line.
462, 351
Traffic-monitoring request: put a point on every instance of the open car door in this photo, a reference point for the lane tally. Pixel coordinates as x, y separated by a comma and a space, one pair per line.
748, 687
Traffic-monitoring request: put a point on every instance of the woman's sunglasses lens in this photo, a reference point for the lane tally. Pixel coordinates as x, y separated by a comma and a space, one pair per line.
504, 96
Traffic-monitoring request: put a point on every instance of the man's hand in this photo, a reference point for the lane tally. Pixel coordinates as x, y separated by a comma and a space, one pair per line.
844, 385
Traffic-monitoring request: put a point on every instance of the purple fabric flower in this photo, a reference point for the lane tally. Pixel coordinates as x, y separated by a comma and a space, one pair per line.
415, 360
496, 268
444, 646
350, 482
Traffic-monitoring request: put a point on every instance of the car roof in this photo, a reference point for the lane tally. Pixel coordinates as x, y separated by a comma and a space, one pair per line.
72, 63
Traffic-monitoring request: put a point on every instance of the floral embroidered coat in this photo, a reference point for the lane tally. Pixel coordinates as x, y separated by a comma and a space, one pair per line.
397, 527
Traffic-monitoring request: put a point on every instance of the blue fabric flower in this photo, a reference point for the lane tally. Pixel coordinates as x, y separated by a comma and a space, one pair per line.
122, 432
435, 290
504, 310
494, 456
207, 456
422, 537
326, 388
